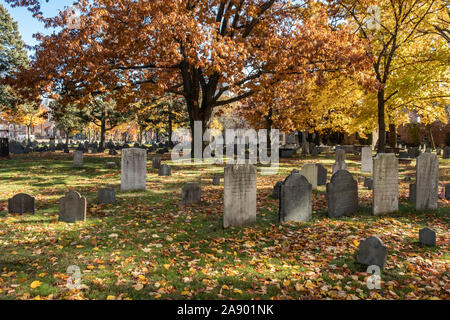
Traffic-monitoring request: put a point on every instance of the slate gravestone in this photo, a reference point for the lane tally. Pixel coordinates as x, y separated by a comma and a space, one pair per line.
321, 175
385, 183
368, 183
239, 195
427, 180
110, 165
446, 154
339, 164
72, 207
16, 148
106, 196
295, 199
21, 203
277, 190
342, 194
165, 170
134, 169
156, 162
112, 152
78, 159
438, 151
366, 159
216, 180
427, 236
412, 193
191, 193
447, 191
372, 251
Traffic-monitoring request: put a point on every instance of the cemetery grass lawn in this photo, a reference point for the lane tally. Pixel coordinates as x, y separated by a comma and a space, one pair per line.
147, 246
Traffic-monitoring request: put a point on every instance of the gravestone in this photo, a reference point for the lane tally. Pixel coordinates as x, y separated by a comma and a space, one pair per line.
447, 191
72, 207
165, 170
339, 164
446, 154
216, 180
366, 159
134, 169
239, 195
78, 159
295, 199
372, 251
412, 193
106, 196
21, 203
368, 183
427, 180
427, 236
156, 162
112, 152
277, 190
110, 165
342, 194
438, 151
309, 171
321, 175
385, 183
191, 193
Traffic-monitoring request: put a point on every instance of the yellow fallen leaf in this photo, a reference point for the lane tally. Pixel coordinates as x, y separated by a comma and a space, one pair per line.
110, 297
138, 287
356, 243
35, 284
90, 267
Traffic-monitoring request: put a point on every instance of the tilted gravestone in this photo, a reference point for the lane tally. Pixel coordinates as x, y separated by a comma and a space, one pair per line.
106, 196
191, 193
427, 236
277, 190
165, 170
385, 183
339, 164
295, 199
342, 194
427, 180
77, 159
239, 195
72, 207
366, 159
156, 162
372, 251
21, 203
134, 169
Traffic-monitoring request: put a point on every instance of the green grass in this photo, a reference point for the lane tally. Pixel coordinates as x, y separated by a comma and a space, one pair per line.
165, 251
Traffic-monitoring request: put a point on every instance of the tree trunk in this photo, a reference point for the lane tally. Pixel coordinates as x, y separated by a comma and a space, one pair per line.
392, 136
66, 132
102, 134
269, 132
381, 124
169, 130
28, 134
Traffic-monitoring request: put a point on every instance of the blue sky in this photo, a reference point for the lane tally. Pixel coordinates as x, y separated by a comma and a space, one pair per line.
29, 25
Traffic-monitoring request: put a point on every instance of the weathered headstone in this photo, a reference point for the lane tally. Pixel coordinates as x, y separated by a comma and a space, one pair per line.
366, 159
309, 171
277, 190
77, 159
156, 162
21, 203
110, 165
216, 180
385, 183
368, 183
134, 169
191, 193
372, 251
321, 175
446, 154
295, 199
239, 195
447, 191
412, 193
342, 194
438, 151
427, 180
339, 164
165, 170
106, 195
72, 207
427, 236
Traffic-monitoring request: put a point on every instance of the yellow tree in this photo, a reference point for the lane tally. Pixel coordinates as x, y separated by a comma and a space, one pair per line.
29, 114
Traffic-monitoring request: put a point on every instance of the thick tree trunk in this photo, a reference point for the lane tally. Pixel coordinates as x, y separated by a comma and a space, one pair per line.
169, 130
102, 134
392, 136
66, 132
381, 123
